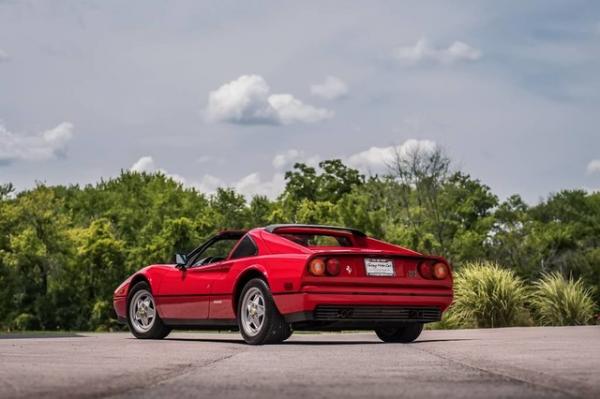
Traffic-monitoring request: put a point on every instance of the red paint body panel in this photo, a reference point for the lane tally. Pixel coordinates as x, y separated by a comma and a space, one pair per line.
120, 305
208, 292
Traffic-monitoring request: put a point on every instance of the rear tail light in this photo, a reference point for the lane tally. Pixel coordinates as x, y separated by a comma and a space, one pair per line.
317, 267
324, 266
425, 270
333, 266
434, 271
440, 271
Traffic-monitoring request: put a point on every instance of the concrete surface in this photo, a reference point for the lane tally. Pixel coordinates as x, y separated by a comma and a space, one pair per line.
514, 362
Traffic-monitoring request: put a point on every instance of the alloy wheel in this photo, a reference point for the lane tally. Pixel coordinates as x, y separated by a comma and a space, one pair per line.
142, 311
253, 311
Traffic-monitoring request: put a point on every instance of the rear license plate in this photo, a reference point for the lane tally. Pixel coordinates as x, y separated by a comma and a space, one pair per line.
379, 267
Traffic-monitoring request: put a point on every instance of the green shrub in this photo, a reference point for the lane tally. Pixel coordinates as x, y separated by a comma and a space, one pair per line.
557, 301
25, 321
101, 319
487, 295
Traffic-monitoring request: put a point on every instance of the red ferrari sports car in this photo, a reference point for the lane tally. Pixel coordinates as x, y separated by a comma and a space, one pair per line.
270, 281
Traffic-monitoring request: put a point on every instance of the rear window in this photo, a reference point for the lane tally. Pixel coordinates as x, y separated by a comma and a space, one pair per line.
318, 240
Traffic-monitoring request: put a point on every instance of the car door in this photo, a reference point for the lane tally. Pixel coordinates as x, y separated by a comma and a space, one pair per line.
185, 292
224, 277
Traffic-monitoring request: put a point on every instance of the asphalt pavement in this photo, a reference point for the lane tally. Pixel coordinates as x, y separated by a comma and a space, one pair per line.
553, 362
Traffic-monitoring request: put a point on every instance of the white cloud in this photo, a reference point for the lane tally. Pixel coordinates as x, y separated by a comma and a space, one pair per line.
378, 159
373, 160
247, 101
290, 157
424, 51
331, 89
248, 186
253, 185
209, 184
594, 166
291, 110
3, 56
46, 145
146, 164
286, 158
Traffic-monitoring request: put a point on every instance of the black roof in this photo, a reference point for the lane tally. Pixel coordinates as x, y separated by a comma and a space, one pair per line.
230, 234
272, 228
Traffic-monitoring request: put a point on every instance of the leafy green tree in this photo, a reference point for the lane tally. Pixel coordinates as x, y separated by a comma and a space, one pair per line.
305, 183
63, 249
261, 211
100, 256
179, 235
37, 247
228, 209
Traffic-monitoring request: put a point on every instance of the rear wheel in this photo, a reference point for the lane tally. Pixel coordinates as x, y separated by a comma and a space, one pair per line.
258, 318
404, 333
142, 317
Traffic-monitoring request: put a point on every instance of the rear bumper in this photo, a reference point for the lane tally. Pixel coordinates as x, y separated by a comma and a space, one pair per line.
362, 308
352, 314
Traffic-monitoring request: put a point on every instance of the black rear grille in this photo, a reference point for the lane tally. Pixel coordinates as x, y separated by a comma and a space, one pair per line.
382, 313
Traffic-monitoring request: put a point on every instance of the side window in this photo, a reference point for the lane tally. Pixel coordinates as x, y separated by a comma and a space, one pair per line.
215, 252
245, 249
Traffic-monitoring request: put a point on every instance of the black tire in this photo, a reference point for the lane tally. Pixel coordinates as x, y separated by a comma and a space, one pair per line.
405, 333
289, 334
157, 328
273, 329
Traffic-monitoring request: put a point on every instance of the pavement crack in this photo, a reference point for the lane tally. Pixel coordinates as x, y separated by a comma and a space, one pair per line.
160, 375
174, 373
493, 370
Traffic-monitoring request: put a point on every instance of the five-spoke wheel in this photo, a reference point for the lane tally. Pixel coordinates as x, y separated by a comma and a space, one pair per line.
258, 318
142, 311
253, 311
142, 316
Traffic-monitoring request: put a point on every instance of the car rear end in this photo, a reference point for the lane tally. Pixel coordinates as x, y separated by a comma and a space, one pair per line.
363, 289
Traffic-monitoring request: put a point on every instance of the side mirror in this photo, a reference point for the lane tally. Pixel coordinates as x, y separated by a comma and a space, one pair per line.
180, 260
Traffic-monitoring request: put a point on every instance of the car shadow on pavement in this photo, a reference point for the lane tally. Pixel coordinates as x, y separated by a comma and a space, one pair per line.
308, 342
316, 343
424, 341
241, 342
27, 335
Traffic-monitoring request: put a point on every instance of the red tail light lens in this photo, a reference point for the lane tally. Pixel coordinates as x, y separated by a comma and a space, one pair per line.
440, 271
425, 270
333, 266
316, 267
434, 271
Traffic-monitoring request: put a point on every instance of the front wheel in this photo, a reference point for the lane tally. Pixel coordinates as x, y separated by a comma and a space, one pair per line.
142, 317
258, 318
405, 333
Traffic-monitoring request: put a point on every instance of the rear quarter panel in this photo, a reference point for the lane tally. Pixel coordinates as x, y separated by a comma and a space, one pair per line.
282, 273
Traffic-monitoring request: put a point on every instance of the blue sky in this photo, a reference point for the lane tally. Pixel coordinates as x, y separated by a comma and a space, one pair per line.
232, 93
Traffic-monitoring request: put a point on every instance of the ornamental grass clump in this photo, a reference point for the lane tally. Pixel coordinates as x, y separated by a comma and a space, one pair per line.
487, 295
557, 301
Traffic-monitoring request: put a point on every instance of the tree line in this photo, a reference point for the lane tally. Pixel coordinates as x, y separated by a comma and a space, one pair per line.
63, 249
